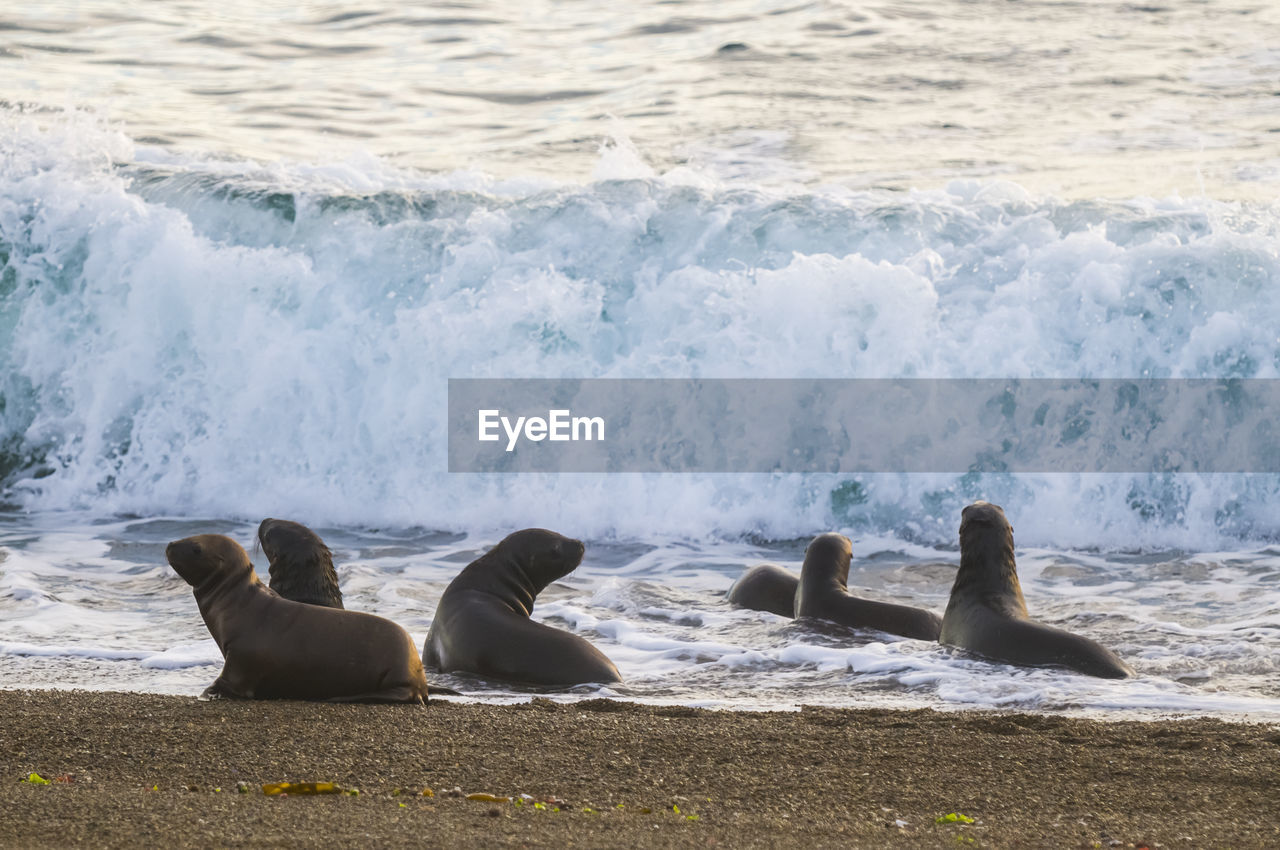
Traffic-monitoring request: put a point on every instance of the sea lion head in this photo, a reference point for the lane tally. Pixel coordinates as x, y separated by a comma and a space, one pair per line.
301, 564
983, 514
520, 566
542, 555
281, 538
827, 557
205, 557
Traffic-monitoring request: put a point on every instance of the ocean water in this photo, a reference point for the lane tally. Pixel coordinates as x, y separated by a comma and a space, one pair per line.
243, 247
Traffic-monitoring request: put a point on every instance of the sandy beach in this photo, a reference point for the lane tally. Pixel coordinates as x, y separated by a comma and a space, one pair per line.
148, 770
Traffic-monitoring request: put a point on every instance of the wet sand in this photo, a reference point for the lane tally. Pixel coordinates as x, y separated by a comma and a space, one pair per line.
145, 770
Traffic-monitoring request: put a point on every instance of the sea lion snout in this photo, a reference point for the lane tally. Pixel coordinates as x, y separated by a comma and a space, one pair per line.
184, 554
187, 557
178, 548
195, 558
272, 533
547, 554
561, 556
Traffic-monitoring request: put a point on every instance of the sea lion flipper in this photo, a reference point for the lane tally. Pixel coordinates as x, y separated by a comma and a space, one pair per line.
218, 690
402, 694
440, 690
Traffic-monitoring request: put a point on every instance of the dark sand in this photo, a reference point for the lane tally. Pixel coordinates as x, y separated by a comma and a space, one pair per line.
145, 772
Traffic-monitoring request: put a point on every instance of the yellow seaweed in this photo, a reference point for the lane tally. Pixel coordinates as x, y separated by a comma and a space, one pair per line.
481, 797
272, 789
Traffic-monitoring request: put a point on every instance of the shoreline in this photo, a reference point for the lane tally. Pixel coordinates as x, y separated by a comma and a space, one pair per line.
144, 768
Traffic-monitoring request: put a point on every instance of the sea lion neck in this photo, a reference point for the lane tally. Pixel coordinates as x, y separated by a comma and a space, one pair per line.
987, 564
502, 572
521, 565
220, 581
284, 569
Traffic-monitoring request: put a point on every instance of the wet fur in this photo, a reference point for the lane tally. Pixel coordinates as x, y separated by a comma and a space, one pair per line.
482, 625
275, 648
823, 593
301, 566
987, 613
766, 587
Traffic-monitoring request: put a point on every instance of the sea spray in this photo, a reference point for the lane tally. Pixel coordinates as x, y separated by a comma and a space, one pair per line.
189, 336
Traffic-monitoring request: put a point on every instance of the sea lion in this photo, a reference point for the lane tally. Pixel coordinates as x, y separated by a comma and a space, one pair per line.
275, 648
823, 593
301, 565
988, 616
766, 587
482, 623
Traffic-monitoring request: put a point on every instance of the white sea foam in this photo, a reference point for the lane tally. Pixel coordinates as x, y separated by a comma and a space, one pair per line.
201, 340
53, 651
202, 654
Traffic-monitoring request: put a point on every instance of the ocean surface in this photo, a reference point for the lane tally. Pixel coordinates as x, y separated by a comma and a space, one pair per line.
244, 246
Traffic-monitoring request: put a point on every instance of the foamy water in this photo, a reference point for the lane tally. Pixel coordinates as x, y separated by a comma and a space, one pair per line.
93, 605
225, 296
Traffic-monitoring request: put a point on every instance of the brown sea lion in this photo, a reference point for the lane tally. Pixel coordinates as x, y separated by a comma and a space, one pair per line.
766, 587
275, 648
301, 565
482, 623
823, 593
988, 616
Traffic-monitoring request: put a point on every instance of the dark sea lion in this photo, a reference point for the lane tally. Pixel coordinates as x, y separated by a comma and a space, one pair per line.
301, 565
482, 623
988, 616
275, 648
823, 593
766, 587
